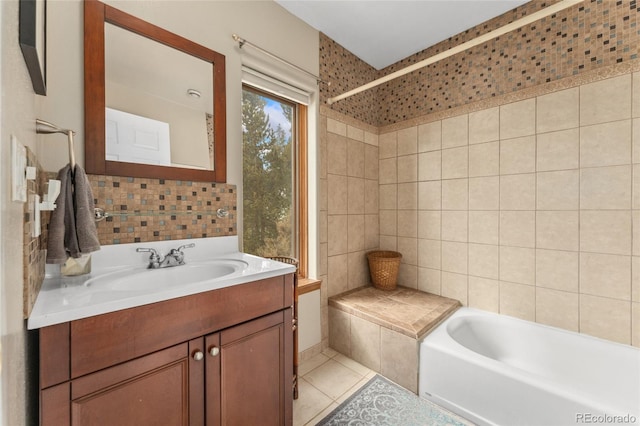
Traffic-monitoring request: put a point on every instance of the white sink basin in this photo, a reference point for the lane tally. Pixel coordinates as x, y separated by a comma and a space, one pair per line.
119, 278
134, 280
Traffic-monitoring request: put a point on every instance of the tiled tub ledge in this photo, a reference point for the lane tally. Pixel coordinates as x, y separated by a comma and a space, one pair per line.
382, 329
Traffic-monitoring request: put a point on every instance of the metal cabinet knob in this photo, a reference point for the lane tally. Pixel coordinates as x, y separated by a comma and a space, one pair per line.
198, 355
214, 351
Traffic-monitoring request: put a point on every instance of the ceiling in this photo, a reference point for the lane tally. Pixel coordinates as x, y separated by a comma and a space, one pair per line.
382, 32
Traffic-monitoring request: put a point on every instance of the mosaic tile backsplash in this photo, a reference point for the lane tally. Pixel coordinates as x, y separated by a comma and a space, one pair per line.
140, 210
586, 37
33, 253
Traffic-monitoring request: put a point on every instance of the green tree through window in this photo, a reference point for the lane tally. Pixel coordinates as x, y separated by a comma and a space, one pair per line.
268, 144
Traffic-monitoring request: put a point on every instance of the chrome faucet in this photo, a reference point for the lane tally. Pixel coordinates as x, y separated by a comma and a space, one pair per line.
174, 258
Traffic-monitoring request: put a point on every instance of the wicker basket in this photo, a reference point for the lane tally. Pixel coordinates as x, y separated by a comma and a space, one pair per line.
384, 266
285, 259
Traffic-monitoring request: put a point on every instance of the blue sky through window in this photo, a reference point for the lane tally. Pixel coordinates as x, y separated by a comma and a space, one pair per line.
274, 110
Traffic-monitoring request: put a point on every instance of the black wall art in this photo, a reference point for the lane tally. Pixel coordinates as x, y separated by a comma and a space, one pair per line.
32, 40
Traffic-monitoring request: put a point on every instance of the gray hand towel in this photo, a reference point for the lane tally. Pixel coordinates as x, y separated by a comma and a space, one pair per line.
72, 228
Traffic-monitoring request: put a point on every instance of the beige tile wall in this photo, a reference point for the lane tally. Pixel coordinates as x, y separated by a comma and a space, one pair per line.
349, 208
388, 352
529, 209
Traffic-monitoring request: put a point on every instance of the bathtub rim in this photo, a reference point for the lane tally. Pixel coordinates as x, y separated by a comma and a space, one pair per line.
440, 339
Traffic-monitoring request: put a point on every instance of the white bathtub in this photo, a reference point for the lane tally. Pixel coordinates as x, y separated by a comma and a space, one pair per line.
498, 370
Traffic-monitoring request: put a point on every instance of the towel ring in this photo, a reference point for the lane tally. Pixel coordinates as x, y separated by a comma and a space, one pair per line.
44, 127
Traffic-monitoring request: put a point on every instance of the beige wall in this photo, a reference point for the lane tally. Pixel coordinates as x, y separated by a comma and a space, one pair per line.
528, 208
17, 116
210, 23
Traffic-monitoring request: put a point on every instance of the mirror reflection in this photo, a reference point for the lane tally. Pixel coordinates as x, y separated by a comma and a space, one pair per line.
159, 103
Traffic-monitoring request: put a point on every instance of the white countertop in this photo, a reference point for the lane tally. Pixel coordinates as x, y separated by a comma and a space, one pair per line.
63, 299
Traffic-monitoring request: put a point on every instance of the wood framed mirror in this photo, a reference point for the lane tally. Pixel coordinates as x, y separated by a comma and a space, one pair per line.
101, 19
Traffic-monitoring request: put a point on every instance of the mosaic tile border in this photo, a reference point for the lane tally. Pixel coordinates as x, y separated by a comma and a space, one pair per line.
583, 38
344, 71
531, 92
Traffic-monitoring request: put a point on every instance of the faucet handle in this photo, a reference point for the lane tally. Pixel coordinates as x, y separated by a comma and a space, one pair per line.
186, 246
148, 250
154, 258
179, 255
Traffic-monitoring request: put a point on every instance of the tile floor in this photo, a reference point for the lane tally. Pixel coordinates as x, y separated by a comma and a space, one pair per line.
326, 380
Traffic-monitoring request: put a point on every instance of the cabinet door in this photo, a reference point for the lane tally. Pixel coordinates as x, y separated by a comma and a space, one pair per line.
151, 390
255, 380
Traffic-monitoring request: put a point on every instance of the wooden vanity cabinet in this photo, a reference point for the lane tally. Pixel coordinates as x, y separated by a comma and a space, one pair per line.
231, 363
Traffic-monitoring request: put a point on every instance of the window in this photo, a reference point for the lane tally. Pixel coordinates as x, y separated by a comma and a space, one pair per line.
274, 155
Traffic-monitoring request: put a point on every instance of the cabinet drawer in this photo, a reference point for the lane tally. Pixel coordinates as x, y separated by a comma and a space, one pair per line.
109, 339
113, 376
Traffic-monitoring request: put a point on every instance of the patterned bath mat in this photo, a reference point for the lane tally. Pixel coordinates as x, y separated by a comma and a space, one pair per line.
383, 403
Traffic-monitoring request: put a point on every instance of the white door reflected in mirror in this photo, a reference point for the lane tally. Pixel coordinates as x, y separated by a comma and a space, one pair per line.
137, 139
150, 80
